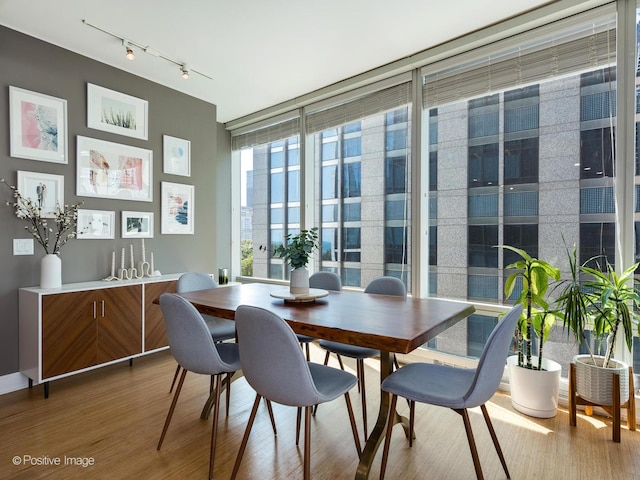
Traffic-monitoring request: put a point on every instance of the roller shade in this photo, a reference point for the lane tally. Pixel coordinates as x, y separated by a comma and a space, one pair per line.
266, 134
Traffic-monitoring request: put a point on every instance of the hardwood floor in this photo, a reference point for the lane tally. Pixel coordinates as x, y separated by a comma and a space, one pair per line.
113, 417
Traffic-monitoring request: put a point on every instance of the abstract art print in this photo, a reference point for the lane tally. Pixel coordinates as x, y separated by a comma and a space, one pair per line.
177, 208
117, 112
137, 224
176, 156
112, 170
95, 224
38, 125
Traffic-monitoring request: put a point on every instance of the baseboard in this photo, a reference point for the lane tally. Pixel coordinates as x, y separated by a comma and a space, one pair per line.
12, 382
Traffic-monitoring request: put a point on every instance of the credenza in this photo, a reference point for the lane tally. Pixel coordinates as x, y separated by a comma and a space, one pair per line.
83, 326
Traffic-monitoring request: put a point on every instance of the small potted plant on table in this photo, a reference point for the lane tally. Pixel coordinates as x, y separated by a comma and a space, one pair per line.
296, 251
534, 380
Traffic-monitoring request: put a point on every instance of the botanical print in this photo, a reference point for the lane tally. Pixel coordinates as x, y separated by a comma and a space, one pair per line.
39, 126
117, 113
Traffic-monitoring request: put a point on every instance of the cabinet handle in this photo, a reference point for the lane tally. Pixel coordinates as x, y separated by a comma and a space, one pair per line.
102, 308
94, 309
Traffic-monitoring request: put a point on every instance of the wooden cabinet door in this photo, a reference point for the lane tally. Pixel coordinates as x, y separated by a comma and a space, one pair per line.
68, 333
119, 318
155, 336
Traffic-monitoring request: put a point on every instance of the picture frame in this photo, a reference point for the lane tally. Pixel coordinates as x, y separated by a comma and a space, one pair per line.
95, 224
116, 112
176, 156
38, 126
42, 189
178, 208
137, 224
113, 170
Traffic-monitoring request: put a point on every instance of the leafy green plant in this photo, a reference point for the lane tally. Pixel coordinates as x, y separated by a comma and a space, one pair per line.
536, 319
612, 299
297, 249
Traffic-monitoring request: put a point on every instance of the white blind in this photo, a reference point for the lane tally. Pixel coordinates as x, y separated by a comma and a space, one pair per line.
514, 69
371, 104
266, 134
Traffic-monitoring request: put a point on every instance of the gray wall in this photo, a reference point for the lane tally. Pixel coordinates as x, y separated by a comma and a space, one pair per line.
31, 64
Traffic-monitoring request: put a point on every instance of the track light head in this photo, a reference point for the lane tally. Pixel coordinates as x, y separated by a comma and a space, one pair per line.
185, 71
130, 55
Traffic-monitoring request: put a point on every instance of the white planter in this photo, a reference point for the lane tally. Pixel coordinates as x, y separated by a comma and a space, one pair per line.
535, 392
50, 271
595, 384
299, 283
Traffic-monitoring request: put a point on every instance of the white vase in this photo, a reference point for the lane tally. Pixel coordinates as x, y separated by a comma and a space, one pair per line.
535, 392
299, 283
50, 271
595, 383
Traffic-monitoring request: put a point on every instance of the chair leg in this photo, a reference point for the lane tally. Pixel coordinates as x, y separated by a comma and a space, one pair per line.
273, 421
228, 382
307, 442
326, 357
172, 408
245, 438
472, 442
214, 426
298, 421
175, 377
494, 437
306, 345
387, 438
352, 420
363, 394
412, 414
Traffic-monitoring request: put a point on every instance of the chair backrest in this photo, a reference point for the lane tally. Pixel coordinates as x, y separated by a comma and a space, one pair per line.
492, 360
192, 281
387, 286
189, 337
325, 281
271, 358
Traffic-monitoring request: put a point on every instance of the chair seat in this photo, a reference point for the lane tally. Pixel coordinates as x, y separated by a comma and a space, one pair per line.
430, 383
221, 329
331, 382
347, 350
304, 338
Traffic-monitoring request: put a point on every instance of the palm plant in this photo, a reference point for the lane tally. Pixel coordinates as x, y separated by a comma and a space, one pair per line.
536, 319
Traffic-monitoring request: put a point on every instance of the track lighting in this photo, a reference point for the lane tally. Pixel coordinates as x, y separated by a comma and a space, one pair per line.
185, 71
127, 46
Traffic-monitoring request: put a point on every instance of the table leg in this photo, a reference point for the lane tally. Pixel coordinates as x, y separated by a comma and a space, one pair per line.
378, 432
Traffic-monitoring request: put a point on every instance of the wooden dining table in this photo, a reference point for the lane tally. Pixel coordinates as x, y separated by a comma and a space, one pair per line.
387, 323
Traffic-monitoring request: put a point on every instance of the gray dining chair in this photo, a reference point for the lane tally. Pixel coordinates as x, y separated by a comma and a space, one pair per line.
325, 281
276, 368
384, 285
456, 388
193, 348
220, 329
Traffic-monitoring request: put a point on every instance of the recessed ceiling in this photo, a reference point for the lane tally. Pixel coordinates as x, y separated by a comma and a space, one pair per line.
258, 53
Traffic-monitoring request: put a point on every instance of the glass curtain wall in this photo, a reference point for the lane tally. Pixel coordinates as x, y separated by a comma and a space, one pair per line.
520, 143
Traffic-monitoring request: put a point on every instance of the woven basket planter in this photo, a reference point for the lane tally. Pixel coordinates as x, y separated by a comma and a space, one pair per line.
595, 383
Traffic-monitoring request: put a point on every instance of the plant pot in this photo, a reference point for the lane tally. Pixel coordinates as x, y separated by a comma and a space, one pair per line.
595, 383
299, 283
50, 271
535, 392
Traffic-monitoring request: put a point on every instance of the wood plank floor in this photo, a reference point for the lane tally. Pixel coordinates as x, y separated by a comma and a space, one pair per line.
113, 417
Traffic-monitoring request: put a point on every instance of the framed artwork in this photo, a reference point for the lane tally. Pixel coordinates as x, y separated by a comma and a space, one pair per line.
95, 224
38, 125
117, 112
137, 224
176, 156
112, 170
178, 209
43, 189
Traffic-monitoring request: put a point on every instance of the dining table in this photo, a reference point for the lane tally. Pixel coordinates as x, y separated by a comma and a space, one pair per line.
387, 323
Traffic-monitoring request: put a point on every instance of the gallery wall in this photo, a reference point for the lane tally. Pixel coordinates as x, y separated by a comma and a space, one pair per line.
36, 66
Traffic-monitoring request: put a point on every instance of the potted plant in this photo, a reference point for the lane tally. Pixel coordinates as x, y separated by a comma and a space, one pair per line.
296, 251
604, 306
534, 380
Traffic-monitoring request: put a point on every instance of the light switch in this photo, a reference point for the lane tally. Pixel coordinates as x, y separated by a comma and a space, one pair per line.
23, 246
